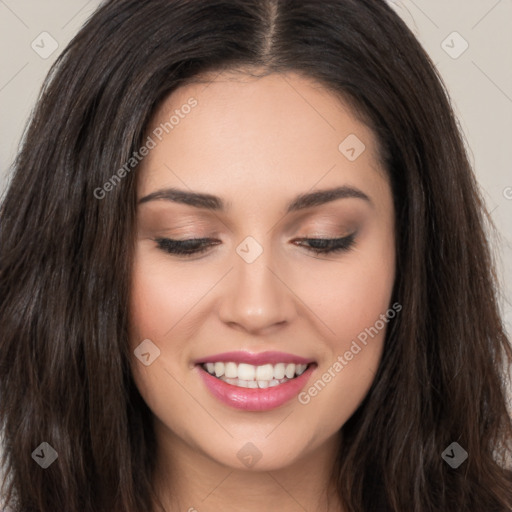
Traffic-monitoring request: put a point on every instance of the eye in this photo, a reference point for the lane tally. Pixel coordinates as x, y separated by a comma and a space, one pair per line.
329, 245
200, 245
185, 247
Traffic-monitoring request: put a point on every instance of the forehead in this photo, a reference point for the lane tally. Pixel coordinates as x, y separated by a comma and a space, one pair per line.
255, 132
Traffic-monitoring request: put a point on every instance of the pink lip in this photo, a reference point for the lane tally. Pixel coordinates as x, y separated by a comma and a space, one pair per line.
250, 399
254, 359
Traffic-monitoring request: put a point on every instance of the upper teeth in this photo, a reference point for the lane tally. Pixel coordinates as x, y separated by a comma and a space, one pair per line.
245, 371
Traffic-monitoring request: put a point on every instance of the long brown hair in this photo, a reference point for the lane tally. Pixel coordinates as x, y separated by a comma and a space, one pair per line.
65, 259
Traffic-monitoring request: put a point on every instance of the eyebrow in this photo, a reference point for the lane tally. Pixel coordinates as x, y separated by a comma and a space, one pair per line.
300, 202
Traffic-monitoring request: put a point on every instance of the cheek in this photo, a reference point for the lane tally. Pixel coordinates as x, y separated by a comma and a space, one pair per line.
162, 296
353, 301
158, 303
156, 306
165, 307
350, 294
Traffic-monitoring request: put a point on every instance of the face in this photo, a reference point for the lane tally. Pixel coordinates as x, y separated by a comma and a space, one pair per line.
285, 297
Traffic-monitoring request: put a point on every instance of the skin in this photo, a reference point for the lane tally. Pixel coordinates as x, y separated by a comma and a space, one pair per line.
257, 143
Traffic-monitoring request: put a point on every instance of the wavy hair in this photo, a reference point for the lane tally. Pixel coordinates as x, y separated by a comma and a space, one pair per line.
66, 256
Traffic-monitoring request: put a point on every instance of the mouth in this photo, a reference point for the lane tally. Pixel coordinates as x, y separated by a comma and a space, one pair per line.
245, 375
255, 382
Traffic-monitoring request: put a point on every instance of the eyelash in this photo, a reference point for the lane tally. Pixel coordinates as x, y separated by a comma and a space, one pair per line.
193, 246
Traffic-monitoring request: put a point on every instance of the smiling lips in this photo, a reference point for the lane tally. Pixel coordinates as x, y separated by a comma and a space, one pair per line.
255, 382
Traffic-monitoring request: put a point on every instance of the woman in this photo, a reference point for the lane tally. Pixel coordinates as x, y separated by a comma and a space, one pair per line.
244, 267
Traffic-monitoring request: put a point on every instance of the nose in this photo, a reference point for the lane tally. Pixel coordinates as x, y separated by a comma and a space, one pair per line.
257, 299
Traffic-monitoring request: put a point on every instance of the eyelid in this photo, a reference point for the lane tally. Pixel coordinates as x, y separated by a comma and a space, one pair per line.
183, 247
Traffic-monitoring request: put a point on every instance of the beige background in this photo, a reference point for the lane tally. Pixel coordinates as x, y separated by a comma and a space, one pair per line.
479, 81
